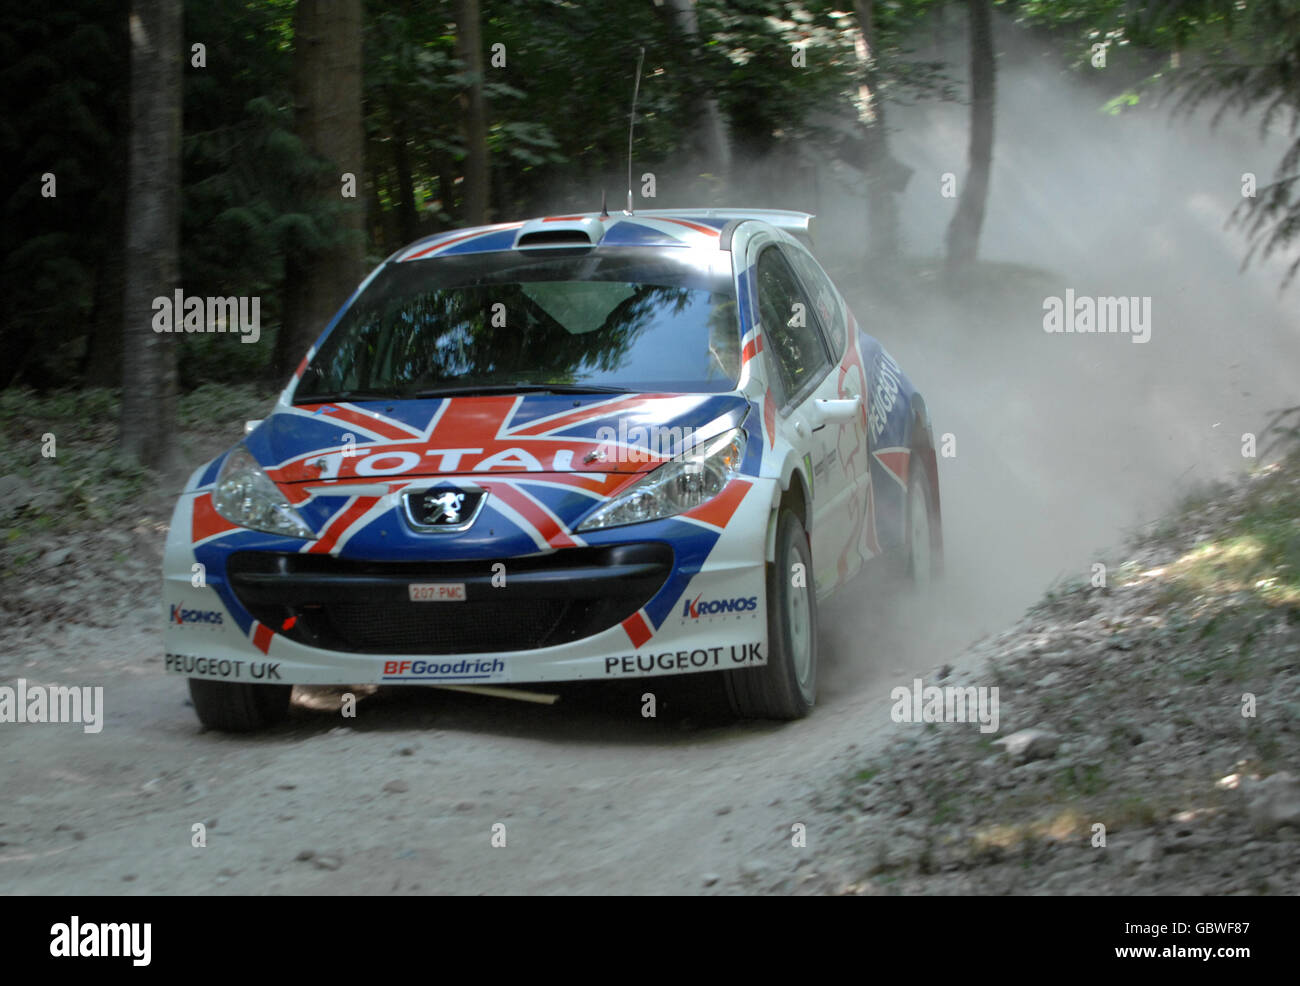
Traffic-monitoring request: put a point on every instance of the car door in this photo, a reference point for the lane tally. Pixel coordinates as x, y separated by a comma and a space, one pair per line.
852, 454
800, 366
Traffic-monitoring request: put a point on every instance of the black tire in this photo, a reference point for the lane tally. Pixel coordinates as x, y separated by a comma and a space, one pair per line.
775, 690
236, 708
920, 495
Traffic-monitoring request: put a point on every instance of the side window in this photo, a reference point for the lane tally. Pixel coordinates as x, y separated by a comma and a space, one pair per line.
825, 298
788, 324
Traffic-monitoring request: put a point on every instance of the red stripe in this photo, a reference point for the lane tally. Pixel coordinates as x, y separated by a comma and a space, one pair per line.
262, 635
682, 222
562, 219
718, 511
587, 414
205, 520
340, 524
752, 349
895, 462
458, 239
363, 419
533, 512
769, 417
637, 630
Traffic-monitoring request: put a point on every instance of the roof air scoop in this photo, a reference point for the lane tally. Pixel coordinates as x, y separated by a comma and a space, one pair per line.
564, 231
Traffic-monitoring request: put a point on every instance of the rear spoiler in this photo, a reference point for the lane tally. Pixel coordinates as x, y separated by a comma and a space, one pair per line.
795, 223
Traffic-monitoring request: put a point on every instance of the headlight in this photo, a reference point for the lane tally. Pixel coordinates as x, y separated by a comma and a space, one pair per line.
245, 495
677, 486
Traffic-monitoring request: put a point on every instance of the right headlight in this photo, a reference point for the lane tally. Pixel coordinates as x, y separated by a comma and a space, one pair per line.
245, 495
677, 486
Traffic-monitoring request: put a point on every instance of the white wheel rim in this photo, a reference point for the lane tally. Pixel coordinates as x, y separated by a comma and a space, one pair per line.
919, 537
798, 616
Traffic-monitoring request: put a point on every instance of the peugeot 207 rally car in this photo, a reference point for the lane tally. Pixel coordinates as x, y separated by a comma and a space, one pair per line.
577, 447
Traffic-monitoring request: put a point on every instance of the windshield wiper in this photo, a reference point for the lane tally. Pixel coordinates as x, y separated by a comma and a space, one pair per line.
349, 395
518, 388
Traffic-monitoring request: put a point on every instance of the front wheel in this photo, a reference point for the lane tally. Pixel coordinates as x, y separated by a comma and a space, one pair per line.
786, 687
237, 708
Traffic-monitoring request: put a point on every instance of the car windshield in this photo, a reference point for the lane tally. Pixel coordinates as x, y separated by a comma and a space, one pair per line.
612, 319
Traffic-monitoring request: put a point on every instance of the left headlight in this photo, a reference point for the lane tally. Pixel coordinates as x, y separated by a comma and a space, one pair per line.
245, 495
677, 486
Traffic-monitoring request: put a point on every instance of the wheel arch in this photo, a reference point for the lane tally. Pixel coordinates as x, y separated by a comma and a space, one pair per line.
794, 494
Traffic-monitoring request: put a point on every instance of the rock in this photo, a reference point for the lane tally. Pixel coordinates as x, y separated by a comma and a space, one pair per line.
305, 855
1274, 801
1029, 744
1159, 732
15, 493
752, 870
724, 810
396, 787
327, 862
710, 879
52, 559
465, 806
1146, 851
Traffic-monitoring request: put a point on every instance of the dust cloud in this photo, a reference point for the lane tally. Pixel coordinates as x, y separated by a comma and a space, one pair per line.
1066, 443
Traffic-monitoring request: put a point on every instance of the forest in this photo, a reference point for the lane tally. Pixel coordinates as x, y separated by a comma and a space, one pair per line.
277, 150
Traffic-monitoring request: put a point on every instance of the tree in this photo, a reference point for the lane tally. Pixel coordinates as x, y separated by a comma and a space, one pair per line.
153, 232
886, 176
964, 229
469, 49
327, 118
709, 148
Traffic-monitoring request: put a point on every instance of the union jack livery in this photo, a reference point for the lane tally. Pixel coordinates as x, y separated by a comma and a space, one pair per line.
569, 448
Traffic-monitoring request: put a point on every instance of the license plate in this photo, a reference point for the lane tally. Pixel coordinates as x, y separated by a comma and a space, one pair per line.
437, 592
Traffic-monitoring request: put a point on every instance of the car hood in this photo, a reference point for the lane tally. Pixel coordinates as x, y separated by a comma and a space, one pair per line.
499, 434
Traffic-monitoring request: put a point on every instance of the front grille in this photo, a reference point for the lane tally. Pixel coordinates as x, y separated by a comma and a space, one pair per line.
448, 628
364, 607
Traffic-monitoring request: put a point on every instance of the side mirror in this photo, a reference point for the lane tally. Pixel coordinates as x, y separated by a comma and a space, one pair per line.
250, 425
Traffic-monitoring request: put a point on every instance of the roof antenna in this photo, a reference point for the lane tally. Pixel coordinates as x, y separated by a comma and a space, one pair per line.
604, 210
632, 126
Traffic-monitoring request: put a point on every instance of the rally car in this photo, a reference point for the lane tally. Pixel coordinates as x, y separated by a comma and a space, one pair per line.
575, 447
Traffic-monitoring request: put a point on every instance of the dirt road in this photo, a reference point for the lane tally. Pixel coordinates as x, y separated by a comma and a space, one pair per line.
404, 797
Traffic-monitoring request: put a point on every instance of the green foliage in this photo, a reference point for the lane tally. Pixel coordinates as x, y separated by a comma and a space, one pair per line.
557, 113
63, 75
1243, 58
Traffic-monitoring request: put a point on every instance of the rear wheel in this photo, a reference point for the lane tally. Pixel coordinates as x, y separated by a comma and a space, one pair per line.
238, 708
924, 557
786, 687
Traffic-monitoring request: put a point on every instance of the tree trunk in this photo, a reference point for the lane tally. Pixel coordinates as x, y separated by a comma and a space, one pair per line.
327, 116
469, 49
886, 176
964, 230
710, 146
152, 233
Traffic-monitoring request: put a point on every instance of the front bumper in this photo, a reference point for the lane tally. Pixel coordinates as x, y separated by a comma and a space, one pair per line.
680, 598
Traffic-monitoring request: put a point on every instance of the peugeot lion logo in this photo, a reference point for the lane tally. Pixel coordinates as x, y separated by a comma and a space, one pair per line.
443, 507
443, 510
